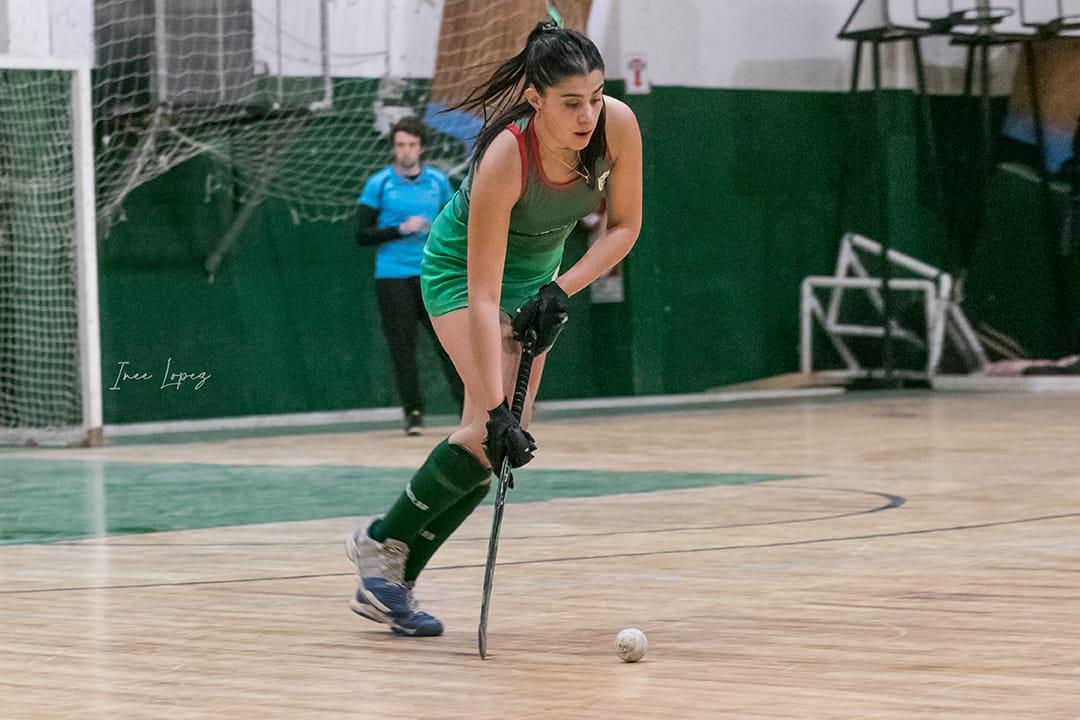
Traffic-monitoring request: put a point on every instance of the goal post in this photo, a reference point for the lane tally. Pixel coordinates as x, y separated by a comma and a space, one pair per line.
50, 351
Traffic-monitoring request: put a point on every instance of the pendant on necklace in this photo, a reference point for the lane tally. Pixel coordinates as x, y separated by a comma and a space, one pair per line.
600, 181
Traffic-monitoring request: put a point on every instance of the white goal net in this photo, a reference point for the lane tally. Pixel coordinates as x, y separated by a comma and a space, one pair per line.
49, 364
294, 96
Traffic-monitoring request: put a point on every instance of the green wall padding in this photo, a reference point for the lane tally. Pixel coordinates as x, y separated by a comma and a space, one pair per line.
743, 198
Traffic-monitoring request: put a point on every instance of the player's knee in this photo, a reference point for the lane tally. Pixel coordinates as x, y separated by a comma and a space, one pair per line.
471, 437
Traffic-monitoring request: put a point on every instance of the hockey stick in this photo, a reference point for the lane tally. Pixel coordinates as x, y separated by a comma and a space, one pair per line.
505, 482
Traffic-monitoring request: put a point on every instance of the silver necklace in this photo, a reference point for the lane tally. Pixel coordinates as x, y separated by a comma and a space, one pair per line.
576, 168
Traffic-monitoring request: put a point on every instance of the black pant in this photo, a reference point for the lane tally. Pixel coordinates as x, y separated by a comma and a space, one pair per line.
402, 310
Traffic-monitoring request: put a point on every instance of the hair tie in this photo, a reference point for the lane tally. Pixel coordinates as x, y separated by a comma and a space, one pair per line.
556, 16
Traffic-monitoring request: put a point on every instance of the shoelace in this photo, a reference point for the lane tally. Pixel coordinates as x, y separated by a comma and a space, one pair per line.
393, 562
413, 607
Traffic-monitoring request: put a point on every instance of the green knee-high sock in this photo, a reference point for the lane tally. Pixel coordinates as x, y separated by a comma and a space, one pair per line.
449, 472
435, 533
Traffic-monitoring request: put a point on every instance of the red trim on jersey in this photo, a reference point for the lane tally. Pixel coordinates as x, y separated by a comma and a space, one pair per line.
534, 148
607, 145
524, 157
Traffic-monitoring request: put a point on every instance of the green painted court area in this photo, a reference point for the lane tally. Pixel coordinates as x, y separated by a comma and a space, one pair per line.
48, 500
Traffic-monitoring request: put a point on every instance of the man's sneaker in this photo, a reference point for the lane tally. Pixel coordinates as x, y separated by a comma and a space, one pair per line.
414, 422
381, 594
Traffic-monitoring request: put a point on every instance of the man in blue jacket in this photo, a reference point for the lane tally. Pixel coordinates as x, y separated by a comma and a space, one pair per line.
397, 206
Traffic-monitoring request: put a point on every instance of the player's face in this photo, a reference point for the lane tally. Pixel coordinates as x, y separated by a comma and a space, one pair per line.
406, 150
572, 108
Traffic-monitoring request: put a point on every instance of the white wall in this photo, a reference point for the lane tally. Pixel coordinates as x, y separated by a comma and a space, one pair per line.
3, 28
775, 44
761, 44
367, 38
47, 28
364, 35
771, 44
604, 30
71, 28
28, 27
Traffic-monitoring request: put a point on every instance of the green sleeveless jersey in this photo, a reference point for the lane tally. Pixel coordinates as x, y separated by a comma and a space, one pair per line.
540, 222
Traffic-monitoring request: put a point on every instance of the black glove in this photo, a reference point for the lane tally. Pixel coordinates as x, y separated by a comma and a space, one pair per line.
546, 313
506, 439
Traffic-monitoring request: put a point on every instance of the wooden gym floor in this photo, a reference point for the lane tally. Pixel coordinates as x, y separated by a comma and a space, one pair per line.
908, 555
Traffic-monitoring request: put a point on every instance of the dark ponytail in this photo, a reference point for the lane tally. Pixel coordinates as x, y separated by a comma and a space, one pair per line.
551, 53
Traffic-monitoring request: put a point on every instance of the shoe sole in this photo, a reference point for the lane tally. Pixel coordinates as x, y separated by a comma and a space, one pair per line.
369, 612
406, 632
